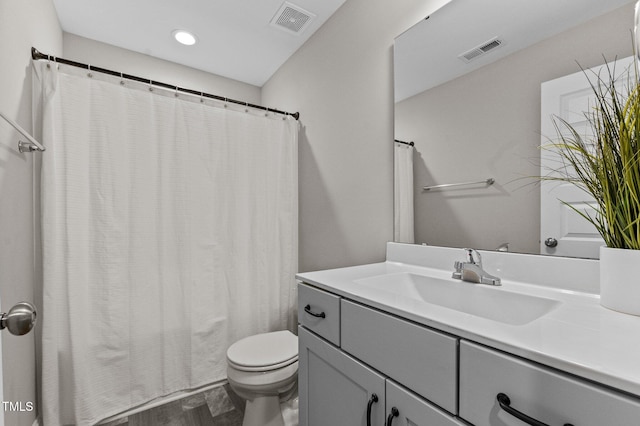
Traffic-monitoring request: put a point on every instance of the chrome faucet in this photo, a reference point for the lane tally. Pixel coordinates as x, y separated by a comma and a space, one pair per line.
471, 270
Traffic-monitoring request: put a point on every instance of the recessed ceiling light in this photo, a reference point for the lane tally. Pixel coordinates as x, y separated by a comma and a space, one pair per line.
184, 37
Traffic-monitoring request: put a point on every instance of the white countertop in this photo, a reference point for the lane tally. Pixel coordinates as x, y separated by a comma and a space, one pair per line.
578, 336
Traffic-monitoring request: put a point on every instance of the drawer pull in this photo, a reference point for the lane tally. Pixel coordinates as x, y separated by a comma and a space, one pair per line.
394, 413
308, 310
505, 404
372, 400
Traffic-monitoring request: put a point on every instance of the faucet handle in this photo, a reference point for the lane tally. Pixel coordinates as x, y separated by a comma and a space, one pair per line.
457, 273
458, 266
471, 258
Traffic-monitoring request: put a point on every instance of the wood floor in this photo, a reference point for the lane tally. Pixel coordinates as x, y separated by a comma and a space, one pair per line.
216, 407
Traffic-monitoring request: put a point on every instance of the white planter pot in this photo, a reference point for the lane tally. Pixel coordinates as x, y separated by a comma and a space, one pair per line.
620, 280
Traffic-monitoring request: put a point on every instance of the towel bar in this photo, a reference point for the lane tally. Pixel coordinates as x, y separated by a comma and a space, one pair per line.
488, 182
32, 145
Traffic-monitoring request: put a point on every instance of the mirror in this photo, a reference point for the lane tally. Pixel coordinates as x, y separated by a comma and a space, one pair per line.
467, 93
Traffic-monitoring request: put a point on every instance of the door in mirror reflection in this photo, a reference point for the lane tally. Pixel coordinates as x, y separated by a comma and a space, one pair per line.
563, 231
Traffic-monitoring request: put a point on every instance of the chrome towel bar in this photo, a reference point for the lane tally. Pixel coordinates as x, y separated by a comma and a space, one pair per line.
487, 182
32, 145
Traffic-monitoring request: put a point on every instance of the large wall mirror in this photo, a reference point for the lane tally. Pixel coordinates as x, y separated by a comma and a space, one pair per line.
474, 114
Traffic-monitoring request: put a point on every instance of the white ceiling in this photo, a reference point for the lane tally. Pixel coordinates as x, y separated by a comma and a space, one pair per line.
235, 39
427, 54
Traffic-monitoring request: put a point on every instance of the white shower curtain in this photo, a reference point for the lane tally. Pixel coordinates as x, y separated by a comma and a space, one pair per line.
169, 230
403, 193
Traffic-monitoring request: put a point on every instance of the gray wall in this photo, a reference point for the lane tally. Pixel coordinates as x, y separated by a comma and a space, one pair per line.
487, 124
117, 59
22, 24
341, 81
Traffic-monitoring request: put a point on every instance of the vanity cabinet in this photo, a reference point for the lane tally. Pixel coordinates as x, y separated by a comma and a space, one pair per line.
337, 389
425, 377
337, 384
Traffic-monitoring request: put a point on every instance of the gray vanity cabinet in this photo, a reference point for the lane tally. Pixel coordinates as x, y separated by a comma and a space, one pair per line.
337, 389
337, 384
334, 388
425, 377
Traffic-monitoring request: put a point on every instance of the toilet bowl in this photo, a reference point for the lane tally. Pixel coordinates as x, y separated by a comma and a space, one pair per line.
263, 370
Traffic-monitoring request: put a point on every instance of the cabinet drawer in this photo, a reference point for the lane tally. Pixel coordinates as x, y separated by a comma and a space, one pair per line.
319, 312
551, 397
421, 359
413, 410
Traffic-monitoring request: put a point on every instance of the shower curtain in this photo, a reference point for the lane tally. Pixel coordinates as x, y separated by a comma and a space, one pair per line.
169, 230
403, 193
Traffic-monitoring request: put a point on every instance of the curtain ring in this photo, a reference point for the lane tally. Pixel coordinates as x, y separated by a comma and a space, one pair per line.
175, 94
201, 97
89, 74
151, 85
121, 80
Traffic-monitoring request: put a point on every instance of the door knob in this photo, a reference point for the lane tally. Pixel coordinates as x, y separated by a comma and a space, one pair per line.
20, 319
550, 242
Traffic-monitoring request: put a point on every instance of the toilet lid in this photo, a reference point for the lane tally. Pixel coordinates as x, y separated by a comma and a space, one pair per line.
261, 351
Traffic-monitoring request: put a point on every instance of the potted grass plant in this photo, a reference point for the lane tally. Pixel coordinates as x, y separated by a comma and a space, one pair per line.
607, 166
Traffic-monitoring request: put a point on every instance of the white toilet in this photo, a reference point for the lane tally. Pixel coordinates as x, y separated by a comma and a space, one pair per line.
263, 369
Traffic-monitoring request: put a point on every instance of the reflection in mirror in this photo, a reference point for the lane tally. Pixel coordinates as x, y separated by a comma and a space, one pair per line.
479, 117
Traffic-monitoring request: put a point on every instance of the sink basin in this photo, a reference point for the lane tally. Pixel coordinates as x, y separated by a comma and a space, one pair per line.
493, 303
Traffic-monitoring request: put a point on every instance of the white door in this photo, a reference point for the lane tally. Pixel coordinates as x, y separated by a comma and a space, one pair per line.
564, 232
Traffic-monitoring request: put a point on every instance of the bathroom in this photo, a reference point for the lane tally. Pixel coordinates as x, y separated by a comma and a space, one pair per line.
342, 83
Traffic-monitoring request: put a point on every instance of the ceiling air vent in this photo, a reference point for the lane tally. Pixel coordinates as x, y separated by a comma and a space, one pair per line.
292, 18
480, 50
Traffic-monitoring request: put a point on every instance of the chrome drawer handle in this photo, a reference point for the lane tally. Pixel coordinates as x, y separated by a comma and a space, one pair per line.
308, 310
505, 404
372, 400
394, 413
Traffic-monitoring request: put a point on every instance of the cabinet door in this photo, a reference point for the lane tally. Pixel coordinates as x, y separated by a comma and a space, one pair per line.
334, 388
408, 409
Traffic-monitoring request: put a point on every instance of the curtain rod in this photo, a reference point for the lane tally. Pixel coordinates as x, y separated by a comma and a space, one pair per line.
406, 143
36, 55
